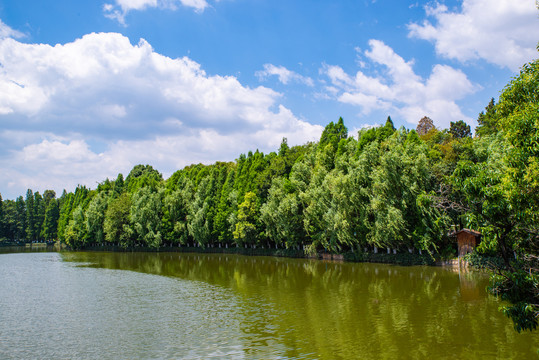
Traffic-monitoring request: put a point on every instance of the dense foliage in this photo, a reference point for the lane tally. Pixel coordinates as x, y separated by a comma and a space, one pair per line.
395, 190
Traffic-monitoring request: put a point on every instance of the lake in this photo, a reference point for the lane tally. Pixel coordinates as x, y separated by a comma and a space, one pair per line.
96, 305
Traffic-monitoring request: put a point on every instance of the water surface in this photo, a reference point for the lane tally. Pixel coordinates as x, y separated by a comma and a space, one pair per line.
93, 305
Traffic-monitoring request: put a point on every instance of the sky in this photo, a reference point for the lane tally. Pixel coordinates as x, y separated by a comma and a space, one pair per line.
88, 89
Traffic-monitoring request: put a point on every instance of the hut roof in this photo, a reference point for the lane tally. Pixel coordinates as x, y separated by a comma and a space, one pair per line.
469, 231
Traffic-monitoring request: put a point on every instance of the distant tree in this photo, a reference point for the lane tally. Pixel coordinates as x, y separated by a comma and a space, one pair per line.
30, 216
48, 195
283, 149
118, 187
20, 222
460, 129
2, 220
142, 176
333, 134
50, 223
385, 131
425, 125
95, 217
246, 230
145, 217
487, 120
39, 214
116, 224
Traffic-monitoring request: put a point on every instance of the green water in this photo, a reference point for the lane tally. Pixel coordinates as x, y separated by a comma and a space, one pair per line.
91, 305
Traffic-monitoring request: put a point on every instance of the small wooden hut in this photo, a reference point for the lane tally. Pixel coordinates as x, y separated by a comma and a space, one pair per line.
467, 240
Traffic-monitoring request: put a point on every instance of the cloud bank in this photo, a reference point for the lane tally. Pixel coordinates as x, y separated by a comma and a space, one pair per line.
398, 89
86, 110
481, 29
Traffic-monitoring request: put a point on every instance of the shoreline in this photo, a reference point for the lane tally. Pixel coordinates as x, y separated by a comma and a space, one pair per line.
402, 259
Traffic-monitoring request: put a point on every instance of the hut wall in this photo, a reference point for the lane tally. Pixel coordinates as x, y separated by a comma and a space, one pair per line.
467, 243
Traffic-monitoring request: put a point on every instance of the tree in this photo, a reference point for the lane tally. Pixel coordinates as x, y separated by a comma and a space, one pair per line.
518, 109
19, 230
500, 196
460, 129
145, 217
116, 224
30, 216
424, 126
246, 229
39, 214
75, 233
487, 120
141, 176
333, 134
2, 221
49, 231
95, 218
118, 187
282, 214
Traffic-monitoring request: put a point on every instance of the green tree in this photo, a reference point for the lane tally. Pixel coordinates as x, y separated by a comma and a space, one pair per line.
487, 120
500, 195
246, 228
142, 176
19, 231
75, 233
460, 129
333, 134
145, 217
95, 218
49, 231
175, 212
39, 214
30, 216
116, 223
282, 214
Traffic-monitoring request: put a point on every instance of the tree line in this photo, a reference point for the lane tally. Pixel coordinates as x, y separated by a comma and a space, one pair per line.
396, 189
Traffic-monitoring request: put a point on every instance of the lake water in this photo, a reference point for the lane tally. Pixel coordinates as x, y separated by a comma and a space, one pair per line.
92, 305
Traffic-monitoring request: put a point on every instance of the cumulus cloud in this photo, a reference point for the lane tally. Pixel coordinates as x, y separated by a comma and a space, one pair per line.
119, 9
502, 32
285, 76
400, 90
86, 110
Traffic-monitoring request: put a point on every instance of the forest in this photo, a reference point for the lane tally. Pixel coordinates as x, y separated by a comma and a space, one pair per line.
400, 190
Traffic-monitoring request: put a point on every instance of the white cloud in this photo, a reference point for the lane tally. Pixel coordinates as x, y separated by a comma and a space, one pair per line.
120, 8
86, 110
399, 89
502, 32
6, 31
285, 76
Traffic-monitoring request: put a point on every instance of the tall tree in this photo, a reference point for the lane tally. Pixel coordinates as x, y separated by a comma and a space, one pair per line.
95, 217
30, 216
246, 228
116, 223
20, 224
460, 130
39, 214
145, 217
487, 120
424, 126
3, 224
49, 231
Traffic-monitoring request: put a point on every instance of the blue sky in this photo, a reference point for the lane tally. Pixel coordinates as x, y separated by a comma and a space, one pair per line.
89, 89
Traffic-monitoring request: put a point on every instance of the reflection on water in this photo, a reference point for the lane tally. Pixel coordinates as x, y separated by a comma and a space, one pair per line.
230, 306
